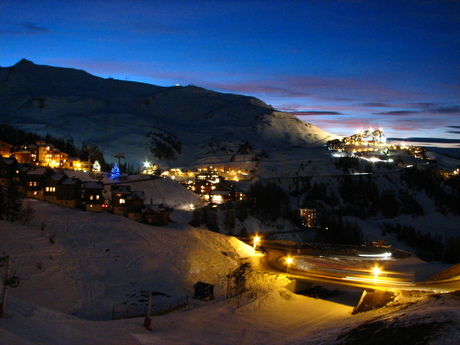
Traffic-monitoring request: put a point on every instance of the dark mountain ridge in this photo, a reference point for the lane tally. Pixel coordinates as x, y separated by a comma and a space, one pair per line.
137, 118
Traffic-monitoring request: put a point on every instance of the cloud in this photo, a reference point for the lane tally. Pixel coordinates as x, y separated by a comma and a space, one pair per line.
398, 112
24, 28
449, 110
427, 140
307, 113
425, 108
434, 108
375, 105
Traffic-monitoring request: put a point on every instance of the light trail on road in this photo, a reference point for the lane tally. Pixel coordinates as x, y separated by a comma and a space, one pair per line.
358, 274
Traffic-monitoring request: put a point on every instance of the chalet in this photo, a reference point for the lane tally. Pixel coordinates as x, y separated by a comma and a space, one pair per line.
225, 191
120, 194
51, 185
202, 187
34, 182
44, 154
19, 177
27, 154
92, 194
208, 174
135, 203
308, 217
219, 195
156, 214
7, 170
60, 159
69, 192
62, 190
5, 149
22, 156
75, 163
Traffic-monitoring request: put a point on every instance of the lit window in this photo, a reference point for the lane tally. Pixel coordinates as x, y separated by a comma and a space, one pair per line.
122, 201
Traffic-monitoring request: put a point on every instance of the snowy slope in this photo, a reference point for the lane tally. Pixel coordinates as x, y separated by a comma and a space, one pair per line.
98, 261
84, 264
158, 191
121, 116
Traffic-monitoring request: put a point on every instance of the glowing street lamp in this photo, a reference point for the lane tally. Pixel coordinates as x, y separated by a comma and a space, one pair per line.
376, 272
289, 261
256, 241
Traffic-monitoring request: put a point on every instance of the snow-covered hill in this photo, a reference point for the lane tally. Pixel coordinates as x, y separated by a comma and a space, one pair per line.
85, 264
75, 267
185, 125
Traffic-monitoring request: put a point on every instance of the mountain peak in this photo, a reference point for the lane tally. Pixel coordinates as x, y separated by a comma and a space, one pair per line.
24, 62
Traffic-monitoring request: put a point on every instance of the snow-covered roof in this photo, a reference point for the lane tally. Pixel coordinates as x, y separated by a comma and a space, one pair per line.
137, 194
121, 188
8, 161
220, 192
37, 171
93, 185
70, 181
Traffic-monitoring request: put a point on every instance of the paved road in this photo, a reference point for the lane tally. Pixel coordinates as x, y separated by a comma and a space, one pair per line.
346, 270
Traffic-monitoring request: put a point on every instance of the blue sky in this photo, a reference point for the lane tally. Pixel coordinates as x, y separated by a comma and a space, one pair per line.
340, 65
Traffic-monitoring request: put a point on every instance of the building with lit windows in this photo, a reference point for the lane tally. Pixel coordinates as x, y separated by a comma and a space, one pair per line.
120, 194
93, 196
5, 149
308, 217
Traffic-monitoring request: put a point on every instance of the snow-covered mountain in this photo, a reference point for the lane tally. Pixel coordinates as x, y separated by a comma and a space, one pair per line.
184, 125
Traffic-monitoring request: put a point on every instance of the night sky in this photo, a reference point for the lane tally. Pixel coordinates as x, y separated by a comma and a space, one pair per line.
340, 65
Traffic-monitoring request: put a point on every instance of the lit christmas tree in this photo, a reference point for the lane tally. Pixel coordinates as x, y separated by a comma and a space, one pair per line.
96, 166
115, 173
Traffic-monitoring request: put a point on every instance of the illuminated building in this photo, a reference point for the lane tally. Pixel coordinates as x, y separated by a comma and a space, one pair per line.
308, 217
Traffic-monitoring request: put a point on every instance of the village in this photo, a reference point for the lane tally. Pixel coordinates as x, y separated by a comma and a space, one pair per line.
43, 172
371, 145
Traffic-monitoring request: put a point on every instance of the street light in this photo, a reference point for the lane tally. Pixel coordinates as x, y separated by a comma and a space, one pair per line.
376, 272
288, 263
256, 241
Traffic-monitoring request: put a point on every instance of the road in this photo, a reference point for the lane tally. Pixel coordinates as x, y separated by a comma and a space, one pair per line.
349, 270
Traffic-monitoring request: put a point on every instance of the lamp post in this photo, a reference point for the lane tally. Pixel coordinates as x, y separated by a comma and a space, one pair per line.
148, 320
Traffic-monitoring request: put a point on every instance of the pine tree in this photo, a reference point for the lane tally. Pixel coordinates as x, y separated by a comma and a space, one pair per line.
96, 166
115, 173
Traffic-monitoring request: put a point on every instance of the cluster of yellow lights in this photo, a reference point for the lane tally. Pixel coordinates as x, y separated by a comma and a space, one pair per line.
233, 175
